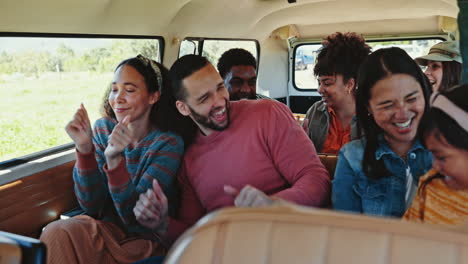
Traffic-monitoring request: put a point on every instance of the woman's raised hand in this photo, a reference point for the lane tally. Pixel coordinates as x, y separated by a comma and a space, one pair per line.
119, 139
79, 130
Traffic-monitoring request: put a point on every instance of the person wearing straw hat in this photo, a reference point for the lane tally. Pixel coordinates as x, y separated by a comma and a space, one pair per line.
443, 65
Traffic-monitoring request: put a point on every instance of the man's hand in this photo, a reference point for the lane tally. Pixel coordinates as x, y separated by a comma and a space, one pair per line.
248, 196
151, 209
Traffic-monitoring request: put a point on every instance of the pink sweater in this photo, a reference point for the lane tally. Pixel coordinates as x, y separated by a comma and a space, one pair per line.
263, 146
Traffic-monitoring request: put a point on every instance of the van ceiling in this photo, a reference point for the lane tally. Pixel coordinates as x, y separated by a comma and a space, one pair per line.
225, 18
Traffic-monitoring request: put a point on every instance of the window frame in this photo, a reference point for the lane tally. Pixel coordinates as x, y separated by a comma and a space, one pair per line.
202, 39
7, 164
368, 40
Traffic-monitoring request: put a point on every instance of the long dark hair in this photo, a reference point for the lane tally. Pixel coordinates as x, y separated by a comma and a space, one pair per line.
451, 74
164, 114
377, 66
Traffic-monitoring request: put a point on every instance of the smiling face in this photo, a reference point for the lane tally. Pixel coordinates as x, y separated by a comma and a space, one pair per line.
397, 105
241, 82
129, 95
207, 100
434, 73
448, 160
334, 90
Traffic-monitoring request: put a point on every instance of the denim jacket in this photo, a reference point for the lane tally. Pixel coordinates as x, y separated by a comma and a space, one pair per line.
354, 191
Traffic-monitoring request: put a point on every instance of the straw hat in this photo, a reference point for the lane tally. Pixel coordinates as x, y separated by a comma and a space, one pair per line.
443, 51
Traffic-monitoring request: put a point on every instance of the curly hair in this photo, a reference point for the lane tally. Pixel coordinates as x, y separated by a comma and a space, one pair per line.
341, 53
234, 57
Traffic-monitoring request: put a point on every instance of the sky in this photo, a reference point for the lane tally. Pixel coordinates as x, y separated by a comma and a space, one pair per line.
79, 45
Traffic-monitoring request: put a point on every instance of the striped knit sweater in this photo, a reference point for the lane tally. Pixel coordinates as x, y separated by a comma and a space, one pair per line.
438, 204
110, 195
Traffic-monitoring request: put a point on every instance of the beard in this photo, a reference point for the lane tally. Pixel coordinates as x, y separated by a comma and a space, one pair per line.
206, 120
242, 95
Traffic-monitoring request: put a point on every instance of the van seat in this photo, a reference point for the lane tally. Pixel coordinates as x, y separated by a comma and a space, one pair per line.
30, 203
10, 251
293, 234
21, 249
329, 161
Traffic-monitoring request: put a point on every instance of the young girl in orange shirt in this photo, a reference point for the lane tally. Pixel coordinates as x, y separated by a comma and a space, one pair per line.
443, 192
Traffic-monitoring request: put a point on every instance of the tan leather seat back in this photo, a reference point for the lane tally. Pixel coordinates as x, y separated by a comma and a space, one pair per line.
10, 251
286, 235
329, 161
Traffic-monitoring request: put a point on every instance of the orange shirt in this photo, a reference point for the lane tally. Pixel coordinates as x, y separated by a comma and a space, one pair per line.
438, 204
337, 136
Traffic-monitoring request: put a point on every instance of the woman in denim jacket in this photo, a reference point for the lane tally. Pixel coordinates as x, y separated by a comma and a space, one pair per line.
378, 173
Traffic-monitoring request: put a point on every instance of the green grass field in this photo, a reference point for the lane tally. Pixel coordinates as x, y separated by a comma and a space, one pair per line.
36, 110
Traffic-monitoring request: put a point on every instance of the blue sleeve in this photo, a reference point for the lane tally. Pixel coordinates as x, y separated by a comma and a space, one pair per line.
344, 197
89, 178
161, 163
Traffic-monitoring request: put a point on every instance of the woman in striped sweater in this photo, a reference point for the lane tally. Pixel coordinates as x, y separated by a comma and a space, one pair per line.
129, 151
443, 192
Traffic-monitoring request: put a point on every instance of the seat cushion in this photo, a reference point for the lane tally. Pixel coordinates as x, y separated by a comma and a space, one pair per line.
292, 234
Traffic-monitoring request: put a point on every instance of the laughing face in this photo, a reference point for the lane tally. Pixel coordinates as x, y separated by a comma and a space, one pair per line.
397, 105
434, 72
449, 160
334, 90
129, 95
241, 82
207, 100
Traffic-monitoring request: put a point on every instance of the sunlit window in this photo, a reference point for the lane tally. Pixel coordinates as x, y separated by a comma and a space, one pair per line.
214, 48
43, 80
305, 55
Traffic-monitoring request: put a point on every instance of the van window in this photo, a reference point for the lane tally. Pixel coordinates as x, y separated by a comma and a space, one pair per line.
214, 48
44, 78
188, 47
304, 62
305, 55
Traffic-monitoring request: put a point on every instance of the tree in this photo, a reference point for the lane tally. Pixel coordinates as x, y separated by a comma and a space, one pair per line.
146, 47
63, 54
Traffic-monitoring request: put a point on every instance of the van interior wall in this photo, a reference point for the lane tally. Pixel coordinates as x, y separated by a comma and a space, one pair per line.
228, 19
171, 49
273, 68
31, 202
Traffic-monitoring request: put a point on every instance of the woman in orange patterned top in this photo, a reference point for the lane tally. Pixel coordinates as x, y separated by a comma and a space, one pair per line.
443, 192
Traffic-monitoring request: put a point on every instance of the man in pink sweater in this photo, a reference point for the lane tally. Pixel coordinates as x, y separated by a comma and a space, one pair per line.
246, 153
